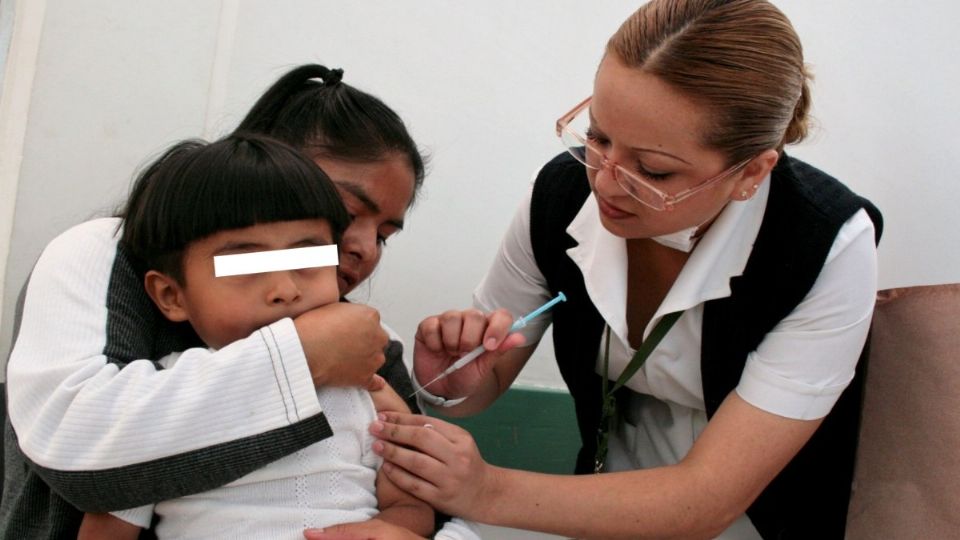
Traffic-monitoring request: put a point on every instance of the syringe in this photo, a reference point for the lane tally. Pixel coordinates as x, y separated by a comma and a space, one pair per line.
472, 355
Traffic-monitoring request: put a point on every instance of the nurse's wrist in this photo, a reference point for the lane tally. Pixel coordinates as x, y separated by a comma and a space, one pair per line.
428, 398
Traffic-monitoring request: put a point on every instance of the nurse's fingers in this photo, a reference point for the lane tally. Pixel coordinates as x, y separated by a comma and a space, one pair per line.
390, 423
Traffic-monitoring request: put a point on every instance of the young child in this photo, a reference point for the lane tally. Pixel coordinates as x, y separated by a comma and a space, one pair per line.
247, 194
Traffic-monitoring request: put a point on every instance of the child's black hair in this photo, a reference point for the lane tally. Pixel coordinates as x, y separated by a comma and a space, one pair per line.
311, 109
196, 189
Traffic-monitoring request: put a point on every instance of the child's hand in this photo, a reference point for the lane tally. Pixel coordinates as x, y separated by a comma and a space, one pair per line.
96, 526
363, 530
385, 398
376, 383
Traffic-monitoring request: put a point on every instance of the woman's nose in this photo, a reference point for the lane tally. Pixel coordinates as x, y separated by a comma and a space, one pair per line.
284, 288
359, 243
606, 164
608, 170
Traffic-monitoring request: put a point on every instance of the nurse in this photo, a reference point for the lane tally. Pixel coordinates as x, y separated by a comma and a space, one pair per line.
720, 294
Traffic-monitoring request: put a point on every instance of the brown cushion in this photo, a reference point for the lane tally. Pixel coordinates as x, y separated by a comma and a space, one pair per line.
907, 476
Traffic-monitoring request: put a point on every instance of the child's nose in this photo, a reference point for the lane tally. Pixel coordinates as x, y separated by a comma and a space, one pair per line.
284, 288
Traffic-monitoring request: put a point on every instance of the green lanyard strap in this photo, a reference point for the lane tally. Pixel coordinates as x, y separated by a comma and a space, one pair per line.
609, 399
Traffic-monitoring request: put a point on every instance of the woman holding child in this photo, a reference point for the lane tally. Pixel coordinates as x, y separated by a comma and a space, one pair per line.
97, 425
281, 204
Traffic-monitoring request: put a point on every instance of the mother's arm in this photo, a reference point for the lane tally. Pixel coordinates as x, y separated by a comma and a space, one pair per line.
107, 429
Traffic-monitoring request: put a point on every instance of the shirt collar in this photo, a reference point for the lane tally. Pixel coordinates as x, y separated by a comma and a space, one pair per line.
720, 255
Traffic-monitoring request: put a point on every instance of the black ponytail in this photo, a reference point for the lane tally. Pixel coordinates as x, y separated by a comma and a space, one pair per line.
332, 77
312, 109
262, 117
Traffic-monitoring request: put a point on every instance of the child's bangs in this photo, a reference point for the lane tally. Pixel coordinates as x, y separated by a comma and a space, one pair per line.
259, 185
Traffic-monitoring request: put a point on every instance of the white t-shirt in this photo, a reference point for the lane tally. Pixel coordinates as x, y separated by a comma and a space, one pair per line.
798, 371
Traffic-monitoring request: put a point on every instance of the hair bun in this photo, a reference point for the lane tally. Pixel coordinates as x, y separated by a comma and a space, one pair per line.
332, 76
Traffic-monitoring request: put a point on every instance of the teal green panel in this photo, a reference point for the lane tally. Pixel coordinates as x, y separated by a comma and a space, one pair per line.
527, 428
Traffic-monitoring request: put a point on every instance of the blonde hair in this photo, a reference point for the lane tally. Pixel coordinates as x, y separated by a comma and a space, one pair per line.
740, 59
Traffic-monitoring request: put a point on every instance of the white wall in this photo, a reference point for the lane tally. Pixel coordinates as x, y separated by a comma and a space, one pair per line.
480, 84
17, 66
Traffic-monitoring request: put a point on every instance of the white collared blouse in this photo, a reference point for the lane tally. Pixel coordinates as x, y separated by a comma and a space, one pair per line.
798, 371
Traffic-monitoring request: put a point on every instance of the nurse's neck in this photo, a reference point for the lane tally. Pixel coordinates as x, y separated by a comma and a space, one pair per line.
652, 269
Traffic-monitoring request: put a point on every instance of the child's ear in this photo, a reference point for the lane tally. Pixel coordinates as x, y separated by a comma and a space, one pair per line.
167, 294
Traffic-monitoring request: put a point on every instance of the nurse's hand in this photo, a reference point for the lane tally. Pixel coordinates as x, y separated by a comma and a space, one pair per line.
443, 339
435, 461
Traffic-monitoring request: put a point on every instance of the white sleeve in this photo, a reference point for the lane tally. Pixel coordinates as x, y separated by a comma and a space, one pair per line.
73, 409
140, 516
804, 364
514, 281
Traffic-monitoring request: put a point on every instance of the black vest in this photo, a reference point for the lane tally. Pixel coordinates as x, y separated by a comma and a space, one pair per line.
804, 213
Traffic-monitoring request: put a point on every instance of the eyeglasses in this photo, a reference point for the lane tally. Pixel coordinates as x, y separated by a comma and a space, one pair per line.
571, 128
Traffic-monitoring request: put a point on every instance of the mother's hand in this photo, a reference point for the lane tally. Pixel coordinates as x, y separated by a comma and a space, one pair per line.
343, 343
435, 461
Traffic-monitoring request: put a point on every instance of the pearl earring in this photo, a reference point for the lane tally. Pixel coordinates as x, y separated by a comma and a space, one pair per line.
743, 194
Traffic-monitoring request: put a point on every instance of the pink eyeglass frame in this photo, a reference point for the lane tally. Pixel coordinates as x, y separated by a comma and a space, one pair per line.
659, 200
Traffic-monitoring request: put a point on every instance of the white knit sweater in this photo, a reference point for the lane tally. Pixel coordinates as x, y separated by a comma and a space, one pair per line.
327, 483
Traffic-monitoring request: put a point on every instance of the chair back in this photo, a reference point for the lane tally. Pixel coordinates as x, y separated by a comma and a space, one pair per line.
907, 474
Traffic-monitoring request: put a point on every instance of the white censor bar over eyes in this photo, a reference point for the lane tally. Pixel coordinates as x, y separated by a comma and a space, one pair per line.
275, 261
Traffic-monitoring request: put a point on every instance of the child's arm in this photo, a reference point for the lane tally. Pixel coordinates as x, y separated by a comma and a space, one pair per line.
103, 526
397, 507
384, 397
400, 508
